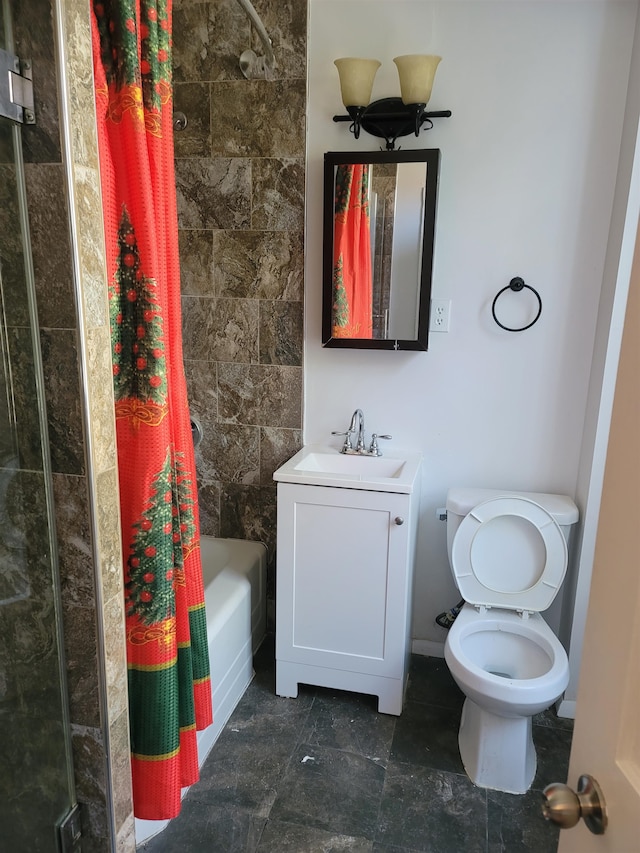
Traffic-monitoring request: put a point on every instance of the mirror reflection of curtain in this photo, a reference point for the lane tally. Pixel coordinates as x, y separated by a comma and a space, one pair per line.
352, 284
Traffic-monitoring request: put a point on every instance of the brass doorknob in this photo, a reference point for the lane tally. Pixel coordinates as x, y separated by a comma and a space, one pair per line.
562, 805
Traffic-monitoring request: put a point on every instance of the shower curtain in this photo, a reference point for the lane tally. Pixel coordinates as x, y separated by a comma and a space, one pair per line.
352, 273
167, 658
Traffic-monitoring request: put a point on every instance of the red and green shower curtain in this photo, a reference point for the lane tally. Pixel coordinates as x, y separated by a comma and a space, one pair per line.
168, 664
352, 269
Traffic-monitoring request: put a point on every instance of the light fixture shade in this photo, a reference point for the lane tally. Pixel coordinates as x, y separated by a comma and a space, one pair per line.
416, 74
356, 80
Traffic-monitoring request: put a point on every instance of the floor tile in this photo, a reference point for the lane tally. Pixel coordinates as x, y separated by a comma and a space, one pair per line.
332, 790
550, 718
208, 829
428, 735
430, 810
251, 756
516, 824
350, 722
325, 773
553, 747
431, 682
261, 701
281, 837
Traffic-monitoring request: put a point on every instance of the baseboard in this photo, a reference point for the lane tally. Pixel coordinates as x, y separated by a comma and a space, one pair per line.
566, 708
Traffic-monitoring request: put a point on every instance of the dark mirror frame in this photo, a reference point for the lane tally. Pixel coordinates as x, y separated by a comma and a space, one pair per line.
332, 159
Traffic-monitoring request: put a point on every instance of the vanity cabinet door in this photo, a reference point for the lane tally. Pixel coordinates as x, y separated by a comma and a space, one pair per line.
343, 582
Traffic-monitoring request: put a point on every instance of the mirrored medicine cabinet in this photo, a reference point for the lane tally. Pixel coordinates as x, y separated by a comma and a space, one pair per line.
379, 223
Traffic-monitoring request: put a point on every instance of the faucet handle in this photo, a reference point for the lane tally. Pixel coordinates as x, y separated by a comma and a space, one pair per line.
374, 450
347, 442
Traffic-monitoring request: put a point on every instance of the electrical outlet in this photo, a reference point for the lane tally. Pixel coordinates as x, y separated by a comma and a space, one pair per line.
440, 315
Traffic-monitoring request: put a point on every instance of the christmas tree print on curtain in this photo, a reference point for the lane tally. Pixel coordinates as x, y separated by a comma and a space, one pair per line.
167, 522
340, 301
139, 372
167, 650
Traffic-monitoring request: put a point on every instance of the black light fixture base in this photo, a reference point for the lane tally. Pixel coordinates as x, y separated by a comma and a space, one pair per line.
390, 118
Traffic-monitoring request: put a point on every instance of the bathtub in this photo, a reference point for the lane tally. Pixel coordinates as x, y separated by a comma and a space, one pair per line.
234, 576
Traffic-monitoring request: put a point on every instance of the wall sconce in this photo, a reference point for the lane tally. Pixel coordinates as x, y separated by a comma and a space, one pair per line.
388, 118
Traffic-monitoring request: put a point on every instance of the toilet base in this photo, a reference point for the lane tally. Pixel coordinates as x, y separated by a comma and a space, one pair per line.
497, 752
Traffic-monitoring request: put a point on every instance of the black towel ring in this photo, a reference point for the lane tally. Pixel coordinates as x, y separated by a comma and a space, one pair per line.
517, 284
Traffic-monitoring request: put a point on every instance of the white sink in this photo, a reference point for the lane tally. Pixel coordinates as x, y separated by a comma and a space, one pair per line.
326, 466
332, 462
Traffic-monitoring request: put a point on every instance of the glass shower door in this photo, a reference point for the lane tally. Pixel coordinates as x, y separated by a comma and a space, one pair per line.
36, 774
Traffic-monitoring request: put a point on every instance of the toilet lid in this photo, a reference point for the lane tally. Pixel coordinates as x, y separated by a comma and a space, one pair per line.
509, 552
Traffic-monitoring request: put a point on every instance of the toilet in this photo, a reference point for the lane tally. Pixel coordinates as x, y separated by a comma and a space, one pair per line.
508, 554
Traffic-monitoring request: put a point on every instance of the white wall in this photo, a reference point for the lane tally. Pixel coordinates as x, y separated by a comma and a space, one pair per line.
529, 163
602, 381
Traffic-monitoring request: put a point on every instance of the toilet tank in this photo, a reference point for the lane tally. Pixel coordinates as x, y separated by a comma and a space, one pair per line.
460, 502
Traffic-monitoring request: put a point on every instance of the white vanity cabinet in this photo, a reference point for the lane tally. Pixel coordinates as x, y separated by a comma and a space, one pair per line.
345, 563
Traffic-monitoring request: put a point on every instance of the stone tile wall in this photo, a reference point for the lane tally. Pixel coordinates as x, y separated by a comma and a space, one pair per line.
240, 182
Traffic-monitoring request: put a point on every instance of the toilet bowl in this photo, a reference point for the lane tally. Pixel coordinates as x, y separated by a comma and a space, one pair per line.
508, 553
509, 669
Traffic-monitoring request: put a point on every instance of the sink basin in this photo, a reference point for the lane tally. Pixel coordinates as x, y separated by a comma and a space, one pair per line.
339, 463
326, 466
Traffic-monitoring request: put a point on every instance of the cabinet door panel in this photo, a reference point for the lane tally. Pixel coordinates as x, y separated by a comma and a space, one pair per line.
340, 580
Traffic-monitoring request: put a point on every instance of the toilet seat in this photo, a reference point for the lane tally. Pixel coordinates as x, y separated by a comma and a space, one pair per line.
509, 552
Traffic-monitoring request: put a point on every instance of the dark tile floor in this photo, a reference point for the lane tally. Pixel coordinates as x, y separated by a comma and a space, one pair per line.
325, 773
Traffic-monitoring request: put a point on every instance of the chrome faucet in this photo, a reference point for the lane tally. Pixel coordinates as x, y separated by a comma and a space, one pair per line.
356, 427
